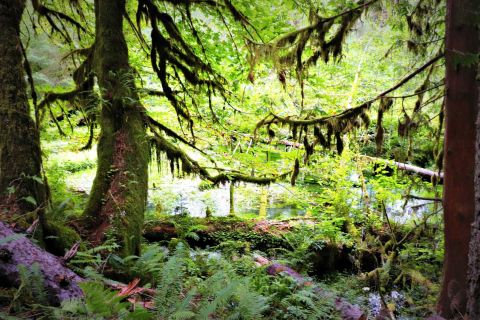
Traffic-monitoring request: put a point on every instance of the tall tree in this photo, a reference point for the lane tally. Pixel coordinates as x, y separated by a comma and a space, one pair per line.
118, 198
128, 134
473, 303
461, 111
119, 193
21, 185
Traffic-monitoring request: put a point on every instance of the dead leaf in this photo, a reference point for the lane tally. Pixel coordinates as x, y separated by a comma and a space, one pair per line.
130, 289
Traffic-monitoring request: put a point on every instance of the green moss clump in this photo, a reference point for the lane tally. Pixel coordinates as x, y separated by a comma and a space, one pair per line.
59, 238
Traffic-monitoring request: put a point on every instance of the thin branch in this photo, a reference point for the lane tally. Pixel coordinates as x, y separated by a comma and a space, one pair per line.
417, 93
424, 198
190, 166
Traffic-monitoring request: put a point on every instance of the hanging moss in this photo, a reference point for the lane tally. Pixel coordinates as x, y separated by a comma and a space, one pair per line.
184, 164
385, 105
288, 50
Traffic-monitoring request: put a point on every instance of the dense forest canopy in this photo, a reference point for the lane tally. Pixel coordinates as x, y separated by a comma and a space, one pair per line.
218, 159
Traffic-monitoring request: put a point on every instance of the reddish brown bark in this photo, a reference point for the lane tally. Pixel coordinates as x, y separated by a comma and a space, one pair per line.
461, 111
473, 305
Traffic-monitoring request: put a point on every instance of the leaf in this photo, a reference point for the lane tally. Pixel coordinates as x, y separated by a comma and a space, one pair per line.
8, 239
274, 156
37, 179
130, 289
30, 200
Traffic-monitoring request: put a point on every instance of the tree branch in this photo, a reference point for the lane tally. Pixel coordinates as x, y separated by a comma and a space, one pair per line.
349, 112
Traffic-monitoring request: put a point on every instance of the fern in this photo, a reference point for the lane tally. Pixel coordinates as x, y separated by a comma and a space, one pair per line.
222, 295
31, 289
98, 303
34, 282
250, 303
171, 283
219, 300
148, 266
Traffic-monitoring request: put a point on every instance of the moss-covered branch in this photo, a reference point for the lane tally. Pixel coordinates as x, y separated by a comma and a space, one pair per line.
289, 50
348, 114
180, 161
56, 20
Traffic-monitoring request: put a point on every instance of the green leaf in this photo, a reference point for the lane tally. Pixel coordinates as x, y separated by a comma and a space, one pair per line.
10, 238
30, 199
37, 179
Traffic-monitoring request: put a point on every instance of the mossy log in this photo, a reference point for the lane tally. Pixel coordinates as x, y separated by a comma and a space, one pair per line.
60, 282
203, 233
263, 235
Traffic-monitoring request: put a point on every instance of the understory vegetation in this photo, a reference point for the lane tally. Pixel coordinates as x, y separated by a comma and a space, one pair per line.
256, 160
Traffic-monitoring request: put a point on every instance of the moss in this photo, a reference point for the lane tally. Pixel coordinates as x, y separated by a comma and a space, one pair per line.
120, 187
118, 199
173, 243
257, 240
22, 188
59, 238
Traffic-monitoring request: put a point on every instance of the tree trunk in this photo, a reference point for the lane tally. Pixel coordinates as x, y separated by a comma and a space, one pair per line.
461, 112
60, 282
21, 186
232, 199
262, 210
119, 193
473, 303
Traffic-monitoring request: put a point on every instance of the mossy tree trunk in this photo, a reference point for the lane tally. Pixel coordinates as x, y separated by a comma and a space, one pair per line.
118, 198
22, 189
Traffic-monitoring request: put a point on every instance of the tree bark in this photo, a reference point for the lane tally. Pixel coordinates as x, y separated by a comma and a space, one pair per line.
119, 193
60, 282
461, 112
473, 303
21, 186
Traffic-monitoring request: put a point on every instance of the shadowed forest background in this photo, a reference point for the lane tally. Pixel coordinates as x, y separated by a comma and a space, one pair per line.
217, 159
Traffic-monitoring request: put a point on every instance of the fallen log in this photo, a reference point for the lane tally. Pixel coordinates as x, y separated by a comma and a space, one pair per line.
262, 235
424, 198
408, 167
60, 282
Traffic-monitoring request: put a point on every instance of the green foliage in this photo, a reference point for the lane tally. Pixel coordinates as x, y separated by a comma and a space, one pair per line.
344, 194
31, 289
148, 266
95, 258
98, 303
301, 245
290, 301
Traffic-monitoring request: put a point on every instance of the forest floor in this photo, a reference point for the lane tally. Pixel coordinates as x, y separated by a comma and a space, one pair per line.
289, 264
